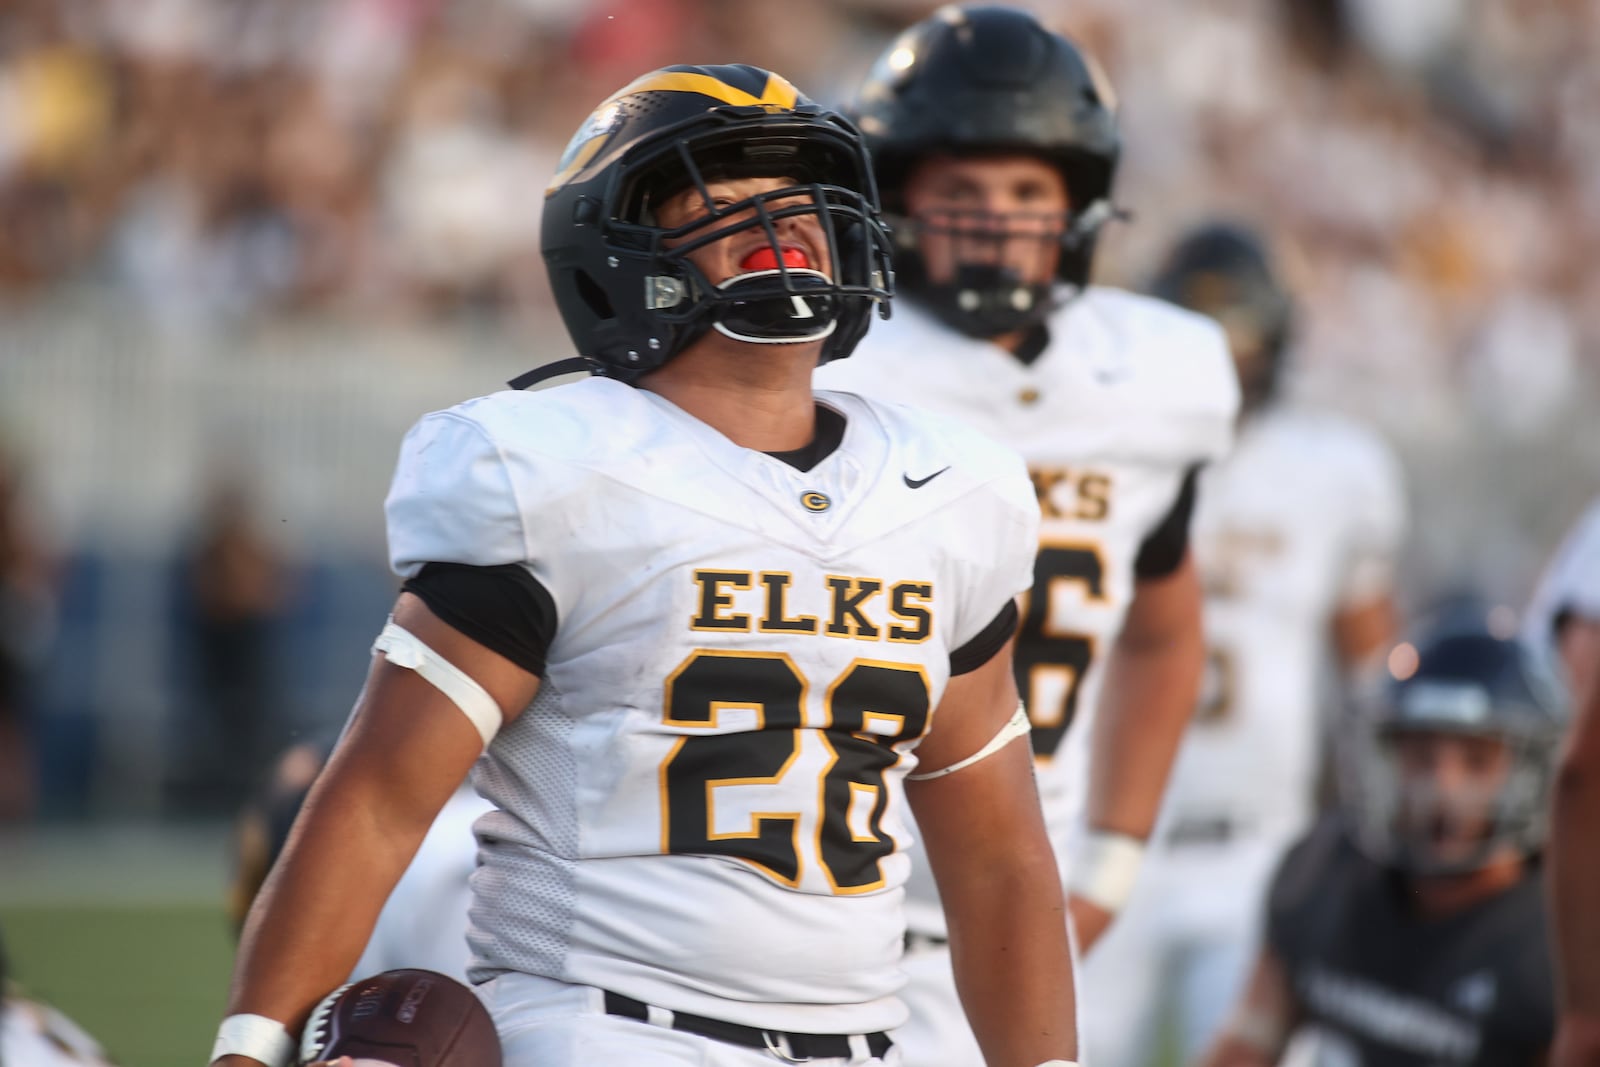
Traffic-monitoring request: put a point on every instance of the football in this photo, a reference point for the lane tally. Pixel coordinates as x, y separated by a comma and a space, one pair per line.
409, 1018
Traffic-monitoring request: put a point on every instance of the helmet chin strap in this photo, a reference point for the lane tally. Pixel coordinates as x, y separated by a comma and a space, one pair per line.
772, 307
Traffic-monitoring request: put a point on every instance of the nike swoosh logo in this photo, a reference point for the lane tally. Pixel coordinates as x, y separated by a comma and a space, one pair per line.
918, 483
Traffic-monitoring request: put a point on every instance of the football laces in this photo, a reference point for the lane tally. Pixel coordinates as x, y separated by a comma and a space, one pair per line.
318, 1032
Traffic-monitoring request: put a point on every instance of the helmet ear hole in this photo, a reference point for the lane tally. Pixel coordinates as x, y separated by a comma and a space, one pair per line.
594, 297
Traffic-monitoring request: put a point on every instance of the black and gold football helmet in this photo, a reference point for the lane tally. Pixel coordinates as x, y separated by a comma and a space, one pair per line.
977, 80
1224, 270
629, 300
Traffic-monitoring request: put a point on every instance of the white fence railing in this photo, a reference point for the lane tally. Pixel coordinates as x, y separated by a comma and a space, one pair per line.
121, 430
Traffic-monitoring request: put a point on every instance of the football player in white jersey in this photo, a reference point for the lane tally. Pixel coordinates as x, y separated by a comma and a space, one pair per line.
33, 1034
1295, 535
705, 644
995, 143
1565, 611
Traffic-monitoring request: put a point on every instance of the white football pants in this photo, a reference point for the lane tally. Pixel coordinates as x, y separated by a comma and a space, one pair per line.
546, 1023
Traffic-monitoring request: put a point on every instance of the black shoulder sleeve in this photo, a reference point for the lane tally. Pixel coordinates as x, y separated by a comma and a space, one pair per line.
991, 639
1163, 550
503, 608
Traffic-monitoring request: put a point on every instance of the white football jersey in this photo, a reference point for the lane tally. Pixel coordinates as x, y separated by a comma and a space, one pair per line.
1570, 583
703, 809
1303, 520
1129, 395
36, 1035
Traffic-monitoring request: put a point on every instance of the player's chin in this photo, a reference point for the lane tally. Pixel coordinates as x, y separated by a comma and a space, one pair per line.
1450, 843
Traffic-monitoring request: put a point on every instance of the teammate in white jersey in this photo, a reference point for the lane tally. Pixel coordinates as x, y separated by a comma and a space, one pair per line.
707, 639
1295, 535
424, 922
1565, 612
33, 1034
995, 142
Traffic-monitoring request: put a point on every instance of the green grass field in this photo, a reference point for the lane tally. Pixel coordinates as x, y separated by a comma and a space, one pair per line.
120, 925
149, 981
118, 930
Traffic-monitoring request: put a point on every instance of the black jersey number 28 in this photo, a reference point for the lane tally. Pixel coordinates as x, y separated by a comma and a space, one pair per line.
869, 708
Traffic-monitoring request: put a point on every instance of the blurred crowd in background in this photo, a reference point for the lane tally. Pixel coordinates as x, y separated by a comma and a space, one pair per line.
201, 173
218, 160
214, 160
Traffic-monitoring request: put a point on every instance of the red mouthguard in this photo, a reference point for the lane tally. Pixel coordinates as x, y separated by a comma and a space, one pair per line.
764, 258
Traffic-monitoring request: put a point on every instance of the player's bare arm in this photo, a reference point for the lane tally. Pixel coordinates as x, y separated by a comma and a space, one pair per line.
1362, 630
1261, 1024
1575, 866
1001, 892
407, 749
1152, 682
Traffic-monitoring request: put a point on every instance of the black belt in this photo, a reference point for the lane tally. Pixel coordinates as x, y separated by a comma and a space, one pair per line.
793, 1047
1214, 831
917, 941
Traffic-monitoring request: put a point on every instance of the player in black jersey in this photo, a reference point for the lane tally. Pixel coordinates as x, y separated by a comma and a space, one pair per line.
1408, 928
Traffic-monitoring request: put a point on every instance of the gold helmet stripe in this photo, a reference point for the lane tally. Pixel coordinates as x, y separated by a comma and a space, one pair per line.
777, 91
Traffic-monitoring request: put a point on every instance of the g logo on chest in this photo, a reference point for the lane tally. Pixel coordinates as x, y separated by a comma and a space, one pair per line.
812, 500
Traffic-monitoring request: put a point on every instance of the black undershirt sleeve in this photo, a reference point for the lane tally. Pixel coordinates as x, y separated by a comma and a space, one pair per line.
991, 639
503, 608
1163, 550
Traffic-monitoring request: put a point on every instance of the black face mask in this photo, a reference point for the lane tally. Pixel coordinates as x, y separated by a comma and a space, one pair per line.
988, 296
985, 300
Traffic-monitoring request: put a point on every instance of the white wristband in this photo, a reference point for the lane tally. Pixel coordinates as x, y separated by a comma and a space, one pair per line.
1104, 871
1262, 1030
1059, 1063
256, 1036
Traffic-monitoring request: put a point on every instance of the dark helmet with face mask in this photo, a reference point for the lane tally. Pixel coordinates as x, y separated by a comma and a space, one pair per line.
627, 290
1461, 681
1224, 270
974, 81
